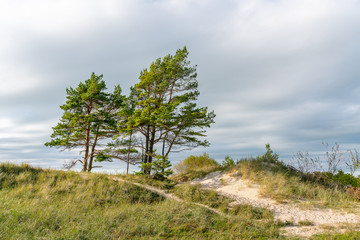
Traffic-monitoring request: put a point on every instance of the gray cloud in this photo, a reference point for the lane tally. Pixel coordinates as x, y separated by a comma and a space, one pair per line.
283, 72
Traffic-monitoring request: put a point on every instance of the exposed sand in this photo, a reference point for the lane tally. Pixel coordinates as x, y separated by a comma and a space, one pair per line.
242, 191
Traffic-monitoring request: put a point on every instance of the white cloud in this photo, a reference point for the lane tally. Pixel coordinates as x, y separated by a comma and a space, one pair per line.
6, 123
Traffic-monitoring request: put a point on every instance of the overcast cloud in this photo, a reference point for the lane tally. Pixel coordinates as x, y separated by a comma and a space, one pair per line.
284, 72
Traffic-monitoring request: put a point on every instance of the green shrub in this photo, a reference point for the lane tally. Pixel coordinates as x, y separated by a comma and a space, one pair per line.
345, 179
196, 163
228, 162
270, 156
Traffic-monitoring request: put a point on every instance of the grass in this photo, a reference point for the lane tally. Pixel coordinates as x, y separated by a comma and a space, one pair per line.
306, 223
48, 204
194, 193
149, 180
277, 181
282, 183
195, 167
349, 235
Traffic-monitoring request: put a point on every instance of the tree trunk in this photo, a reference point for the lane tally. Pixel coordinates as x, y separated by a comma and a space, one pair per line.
92, 154
87, 144
146, 157
151, 143
128, 155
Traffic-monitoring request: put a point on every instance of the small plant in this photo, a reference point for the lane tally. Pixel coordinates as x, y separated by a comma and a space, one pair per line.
333, 157
270, 156
305, 163
161, 166
355, 162
223, 182
228, 162
305, 223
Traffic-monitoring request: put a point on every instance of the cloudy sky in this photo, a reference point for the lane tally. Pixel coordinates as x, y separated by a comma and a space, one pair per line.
284, 72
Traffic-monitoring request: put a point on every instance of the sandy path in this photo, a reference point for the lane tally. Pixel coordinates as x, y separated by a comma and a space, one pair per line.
243, 192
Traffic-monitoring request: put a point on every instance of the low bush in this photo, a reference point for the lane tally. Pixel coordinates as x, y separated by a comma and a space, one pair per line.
228, 162
196, 163
344, 179
195, 167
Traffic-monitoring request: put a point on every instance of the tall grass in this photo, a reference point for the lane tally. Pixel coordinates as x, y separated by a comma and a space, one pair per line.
47, 204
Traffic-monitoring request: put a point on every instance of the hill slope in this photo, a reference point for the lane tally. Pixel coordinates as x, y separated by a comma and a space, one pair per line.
48, 204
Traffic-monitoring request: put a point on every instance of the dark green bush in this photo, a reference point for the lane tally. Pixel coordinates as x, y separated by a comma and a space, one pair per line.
345, 179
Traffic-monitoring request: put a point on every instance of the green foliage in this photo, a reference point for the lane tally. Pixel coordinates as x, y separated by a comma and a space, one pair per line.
89, 116
123, 146
161, 108
270, 156
196, 163
194, 167
165, 112
161, 166
344, 179
228, 162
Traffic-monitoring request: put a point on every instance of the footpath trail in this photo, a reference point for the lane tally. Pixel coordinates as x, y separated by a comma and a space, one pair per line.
242, 192
167, 195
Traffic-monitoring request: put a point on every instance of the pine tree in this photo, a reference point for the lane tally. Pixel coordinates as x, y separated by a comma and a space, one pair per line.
166, 113
89, 116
